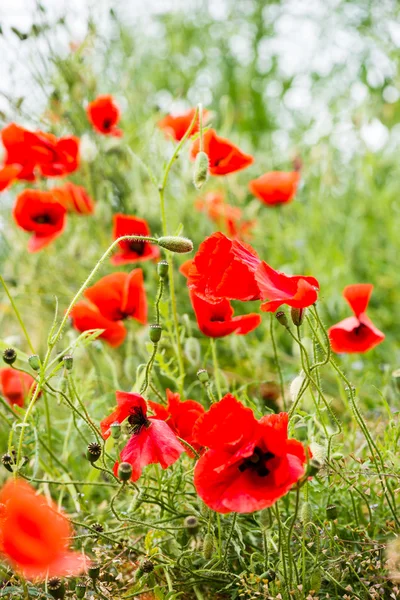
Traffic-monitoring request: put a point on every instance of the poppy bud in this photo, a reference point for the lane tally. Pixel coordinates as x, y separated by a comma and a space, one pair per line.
147, 565
265, 518
115, 429
200, 174
306, 513
177, 244
93, 452
56, 587
80, 589
269, 575
9, 356
192, 524
124, 471
155, 333
331, 512
316, 580
162, 269
208, 546
202, 376
7, 461
282, 318
94, 571
34, 362
68, 362
297, 315
313, 467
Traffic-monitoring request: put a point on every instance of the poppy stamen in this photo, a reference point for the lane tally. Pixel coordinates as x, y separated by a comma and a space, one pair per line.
138, 419
256, 462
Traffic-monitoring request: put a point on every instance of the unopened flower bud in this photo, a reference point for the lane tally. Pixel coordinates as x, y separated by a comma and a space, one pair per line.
155, 333
203, 376
306, 513
282, 318
7, 461
34, 362
124, 471
297, 315
147, 565
115, 429
316, 580
9, 356
80, 589
200, 174
94, 571
162, 269
177, 244
93, 452
68, 362
331, 512
208, 546
56, 587
192, 524
265, 518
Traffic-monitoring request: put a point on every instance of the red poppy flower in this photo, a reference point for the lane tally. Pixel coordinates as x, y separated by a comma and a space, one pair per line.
75, 198
295, 290
152, 440
104, 114
50, 156
112, 299
227, 217
181, 415
132, 251
217, 320
224, 156
39, 213
15, 386
358, 333
250, 464
276, 187
224, 268
176, 126
8, 174
35, 535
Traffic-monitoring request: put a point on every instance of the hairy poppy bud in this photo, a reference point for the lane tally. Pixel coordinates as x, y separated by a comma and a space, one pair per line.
124, 471
56, 587
203, 376
9, 356
7, 461
331, 512
306, 513
265, 518
208, 546
297, 315
147, 565
80, 589
192, 524
93, 452
316, 580
115, 429
200, 174
155, 333
162, 269
177, 244
34, 362
68, 362
94, 571
282, 318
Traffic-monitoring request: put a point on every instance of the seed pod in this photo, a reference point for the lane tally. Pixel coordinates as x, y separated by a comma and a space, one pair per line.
162, 269
56, 587
115, 429
177, 244
98, 527
192, 524
124, 471
94, 571
282, 318
313, 467
34, 362
147, 565
68, 362
203, 376
7, 461
9, 356
93, 452
80, 589
208, 546
155, 333
331, 512
200, 174
297, 315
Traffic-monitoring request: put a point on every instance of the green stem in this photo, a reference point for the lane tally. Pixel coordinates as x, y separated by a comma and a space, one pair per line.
228, 540
16, 311
276, 359
216, 367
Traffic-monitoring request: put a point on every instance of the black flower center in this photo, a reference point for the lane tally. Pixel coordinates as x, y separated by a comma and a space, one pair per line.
137, 419
358, 331
42, 219
107, 124
137, 247
257, 462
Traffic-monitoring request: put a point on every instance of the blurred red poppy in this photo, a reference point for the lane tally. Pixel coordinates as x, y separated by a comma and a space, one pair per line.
358, 333
276, 187
40, 214
181, 415
223, 155
75, 198
250, 464
152, 440
134, 251
217, 320
297, 291
8, 174
112, 299
176, 126
104, 115
227, 217
34, 534
15, 386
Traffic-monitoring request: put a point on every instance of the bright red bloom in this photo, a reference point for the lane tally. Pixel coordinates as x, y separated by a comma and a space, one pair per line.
226, 217
223, 155
181, 415
224, 268
358, 333
132, 251
34, 534
8, 174
295, 290
176, 126
15, 386
75, 199
42, 215
217, 320
104, 115
152, 440
112, 299
276, 187
250, 464
39, 151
